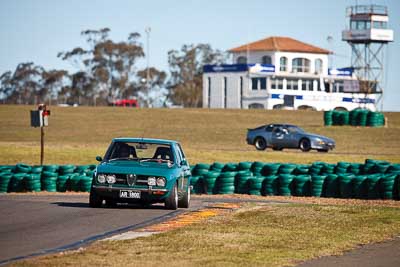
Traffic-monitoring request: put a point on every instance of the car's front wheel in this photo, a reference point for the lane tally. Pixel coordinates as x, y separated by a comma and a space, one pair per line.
171, 202
185, 201
260, 143
305, 145
95, 200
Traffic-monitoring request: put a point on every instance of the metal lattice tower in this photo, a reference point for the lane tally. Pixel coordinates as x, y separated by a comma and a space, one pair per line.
368, 36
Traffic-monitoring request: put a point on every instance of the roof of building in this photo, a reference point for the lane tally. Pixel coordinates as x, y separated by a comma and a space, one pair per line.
282, 44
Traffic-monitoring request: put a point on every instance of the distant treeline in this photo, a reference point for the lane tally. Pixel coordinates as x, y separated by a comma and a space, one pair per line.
107, 71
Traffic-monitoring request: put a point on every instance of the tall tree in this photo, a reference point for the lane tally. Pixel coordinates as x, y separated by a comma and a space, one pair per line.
110, 65
53, 82
186, 68
24, 85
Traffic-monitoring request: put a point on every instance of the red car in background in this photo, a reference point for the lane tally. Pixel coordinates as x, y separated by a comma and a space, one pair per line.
127, 103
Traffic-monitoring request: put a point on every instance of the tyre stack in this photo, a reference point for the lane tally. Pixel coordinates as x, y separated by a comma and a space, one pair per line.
342, 167
317, 183
209, 180
287, 168
270, 186
302, 169
241, 181
85, 183
375, 119
328, 118
331, 186
362, 117
355, 168
74, 181
285, 184
17, 183
5, 178
217, 167
201, 169
354, 117
256, 168
373, 182
346, 185
49, 181
255, 185
244, 166
328, 169
33, 180
197, 183
226, 183
302, 184
387, 186
360, 187
270, 169
316, 168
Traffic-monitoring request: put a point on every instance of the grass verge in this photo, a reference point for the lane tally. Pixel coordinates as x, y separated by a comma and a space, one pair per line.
273, 235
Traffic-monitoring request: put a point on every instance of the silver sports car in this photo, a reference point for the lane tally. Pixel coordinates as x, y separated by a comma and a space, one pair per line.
280, 136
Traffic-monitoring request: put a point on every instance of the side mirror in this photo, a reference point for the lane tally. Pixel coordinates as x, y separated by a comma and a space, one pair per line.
98, 158
183, 162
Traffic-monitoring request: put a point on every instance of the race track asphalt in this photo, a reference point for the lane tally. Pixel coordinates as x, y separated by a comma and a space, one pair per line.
35, 224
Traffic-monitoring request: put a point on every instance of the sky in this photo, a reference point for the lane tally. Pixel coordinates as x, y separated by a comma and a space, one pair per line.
37, 30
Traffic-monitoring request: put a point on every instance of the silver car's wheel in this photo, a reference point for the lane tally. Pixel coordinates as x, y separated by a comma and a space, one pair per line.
260, 143
305, 145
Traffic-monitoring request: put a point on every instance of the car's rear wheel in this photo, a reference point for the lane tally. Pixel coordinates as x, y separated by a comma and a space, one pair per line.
185, 201
305, 145
260, 143
171, 202
95, 200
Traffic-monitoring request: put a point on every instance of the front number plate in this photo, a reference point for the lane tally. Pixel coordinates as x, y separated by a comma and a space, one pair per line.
129, 194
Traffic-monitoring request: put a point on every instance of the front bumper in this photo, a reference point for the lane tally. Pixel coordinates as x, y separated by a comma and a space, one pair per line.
148, 194
322, 145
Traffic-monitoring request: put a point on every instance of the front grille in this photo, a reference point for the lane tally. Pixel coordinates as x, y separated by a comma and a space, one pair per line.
121, 179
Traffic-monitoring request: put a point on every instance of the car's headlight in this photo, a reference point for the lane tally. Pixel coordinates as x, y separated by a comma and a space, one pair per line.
101, 178
111, 179
151, 181
161, 181
320, 141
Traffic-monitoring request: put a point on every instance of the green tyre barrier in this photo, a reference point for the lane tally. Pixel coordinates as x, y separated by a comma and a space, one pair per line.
373, 182
22, 168
270, 169
50, 168
85, 183
37, 169
317, 183
302, 185
74, 180
5, 178
62, 183
387, 184
287, 168
331, 186
241, 182
346, 186
217, 166
254, 185
32, 182
197, 183
360, 187
328, 118
285, 184
244, 166
17, 182
270, 186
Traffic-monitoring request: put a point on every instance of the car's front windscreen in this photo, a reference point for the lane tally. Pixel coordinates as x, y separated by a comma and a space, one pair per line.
139, 152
